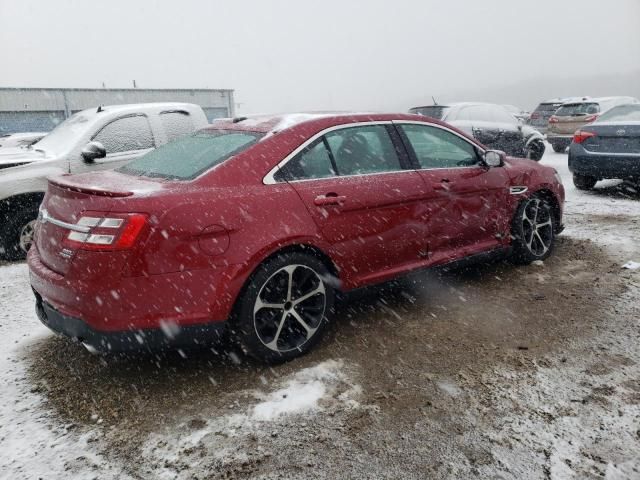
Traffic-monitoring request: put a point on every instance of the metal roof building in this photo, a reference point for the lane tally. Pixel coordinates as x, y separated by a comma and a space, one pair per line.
41, 109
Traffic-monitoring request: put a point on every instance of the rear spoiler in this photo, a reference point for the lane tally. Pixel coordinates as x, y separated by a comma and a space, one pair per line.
66, 181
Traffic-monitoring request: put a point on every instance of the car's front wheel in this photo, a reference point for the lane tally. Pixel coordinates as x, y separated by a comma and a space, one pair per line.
285, 308
535, 150
584, 182
533, 230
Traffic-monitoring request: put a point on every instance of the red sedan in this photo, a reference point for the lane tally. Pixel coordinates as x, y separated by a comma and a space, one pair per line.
250, 226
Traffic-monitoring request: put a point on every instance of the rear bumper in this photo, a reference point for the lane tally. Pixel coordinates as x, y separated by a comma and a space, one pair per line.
126, 341
603, 166
108, 301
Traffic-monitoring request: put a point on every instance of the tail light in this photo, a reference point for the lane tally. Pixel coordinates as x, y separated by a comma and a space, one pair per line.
112, 232
591, 118
553, 119
580, 136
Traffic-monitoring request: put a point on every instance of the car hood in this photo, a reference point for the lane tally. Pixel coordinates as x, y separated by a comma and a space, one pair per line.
19, 156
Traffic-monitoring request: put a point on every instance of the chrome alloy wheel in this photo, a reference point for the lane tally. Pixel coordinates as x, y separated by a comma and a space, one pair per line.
26, 235
289, 308
537, 227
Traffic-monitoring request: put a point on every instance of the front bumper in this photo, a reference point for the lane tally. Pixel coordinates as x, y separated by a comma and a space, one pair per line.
171, 336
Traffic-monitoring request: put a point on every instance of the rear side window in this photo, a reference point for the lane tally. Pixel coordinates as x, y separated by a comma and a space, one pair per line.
176, 124
360, 150
577, 109
438, 148
126, 134
188, 157
313, 162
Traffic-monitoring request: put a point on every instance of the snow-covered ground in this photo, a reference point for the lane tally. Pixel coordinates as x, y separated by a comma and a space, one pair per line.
40, 440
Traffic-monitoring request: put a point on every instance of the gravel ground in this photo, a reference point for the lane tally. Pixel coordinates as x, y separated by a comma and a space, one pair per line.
492, 372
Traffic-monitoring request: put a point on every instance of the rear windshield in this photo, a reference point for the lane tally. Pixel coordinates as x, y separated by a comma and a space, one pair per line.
188, 157
434, 111
622, 113
577, 109
547, 107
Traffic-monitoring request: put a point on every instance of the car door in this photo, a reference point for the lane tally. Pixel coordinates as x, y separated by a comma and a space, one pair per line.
124, 139
468, 211
368, 205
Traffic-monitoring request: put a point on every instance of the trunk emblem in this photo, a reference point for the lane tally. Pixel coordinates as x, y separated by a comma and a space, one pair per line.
66, 253
622, 131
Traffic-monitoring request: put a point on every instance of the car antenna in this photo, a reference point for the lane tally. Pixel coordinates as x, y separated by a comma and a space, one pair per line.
100, 109
239, 119
434, 100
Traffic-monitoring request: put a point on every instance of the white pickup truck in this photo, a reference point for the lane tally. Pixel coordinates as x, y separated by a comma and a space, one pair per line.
95, 139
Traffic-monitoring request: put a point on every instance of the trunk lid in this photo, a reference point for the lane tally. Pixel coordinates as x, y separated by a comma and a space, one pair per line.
621, 138
67, 198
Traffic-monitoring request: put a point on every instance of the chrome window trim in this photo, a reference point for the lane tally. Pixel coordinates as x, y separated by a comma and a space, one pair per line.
612, 154
268, 179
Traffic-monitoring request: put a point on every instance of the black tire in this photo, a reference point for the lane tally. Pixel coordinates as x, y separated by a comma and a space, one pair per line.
558, 147
12, 229
535, 150
533, 230
275, 335
584, 182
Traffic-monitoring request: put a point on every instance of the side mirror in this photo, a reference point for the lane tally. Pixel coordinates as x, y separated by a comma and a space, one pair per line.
493, 158
93, 150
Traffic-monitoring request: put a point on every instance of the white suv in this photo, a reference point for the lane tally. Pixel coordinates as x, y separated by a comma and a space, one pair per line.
95, 139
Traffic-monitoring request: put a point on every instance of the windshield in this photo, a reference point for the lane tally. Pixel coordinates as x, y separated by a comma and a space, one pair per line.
577, 109
60, 138
622, 113
434, 111
188, 157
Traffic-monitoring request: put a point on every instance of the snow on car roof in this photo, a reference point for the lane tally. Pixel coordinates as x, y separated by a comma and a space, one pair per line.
271, 124
133, 107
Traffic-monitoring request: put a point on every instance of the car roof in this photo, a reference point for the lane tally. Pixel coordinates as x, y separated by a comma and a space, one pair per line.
599, 99
271, 124
136, 107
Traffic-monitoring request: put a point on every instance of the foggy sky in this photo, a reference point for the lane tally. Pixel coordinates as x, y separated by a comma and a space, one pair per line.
288, 55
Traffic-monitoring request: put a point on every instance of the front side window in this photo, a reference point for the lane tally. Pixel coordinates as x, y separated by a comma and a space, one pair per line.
361, 150
188, 157
126, 134
438, 148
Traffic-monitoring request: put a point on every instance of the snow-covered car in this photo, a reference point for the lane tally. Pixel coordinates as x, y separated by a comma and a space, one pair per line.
492, 125
95, 139
24, 139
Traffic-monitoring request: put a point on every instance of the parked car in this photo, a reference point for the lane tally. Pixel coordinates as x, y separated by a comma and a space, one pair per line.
607, 148
490, 124
95, 139
570, 117
16, 140
253, 224
539, 118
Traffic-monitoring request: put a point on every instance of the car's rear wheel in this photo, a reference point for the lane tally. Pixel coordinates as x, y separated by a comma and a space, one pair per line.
285, 308
533, 230
535, 150
16, 235
558, 147
584, 182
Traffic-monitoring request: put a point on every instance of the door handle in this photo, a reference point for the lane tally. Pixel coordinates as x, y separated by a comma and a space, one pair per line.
445, 184
329, 199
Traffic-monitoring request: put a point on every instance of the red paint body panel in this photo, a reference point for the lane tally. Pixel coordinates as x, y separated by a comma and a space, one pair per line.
205, 237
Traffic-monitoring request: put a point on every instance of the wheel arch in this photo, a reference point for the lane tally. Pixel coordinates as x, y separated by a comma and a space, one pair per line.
9, 204
555, 206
